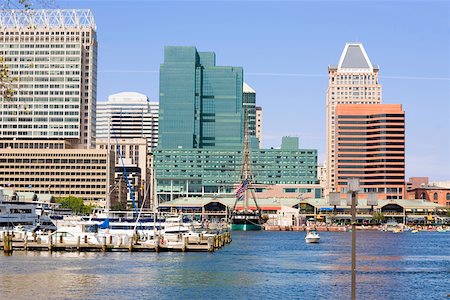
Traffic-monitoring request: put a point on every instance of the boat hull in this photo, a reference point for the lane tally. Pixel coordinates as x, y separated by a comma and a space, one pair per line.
312, 240
246, 227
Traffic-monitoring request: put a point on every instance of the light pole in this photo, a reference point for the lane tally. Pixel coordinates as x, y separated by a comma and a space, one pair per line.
353, 188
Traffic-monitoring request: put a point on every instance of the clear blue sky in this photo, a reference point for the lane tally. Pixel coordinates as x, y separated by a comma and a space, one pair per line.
285, 48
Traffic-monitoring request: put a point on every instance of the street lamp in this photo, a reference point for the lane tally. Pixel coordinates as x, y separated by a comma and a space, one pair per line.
353, 189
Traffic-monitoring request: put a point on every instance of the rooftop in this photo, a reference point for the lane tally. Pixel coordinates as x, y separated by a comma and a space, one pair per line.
354, 57
47, 19
247, 89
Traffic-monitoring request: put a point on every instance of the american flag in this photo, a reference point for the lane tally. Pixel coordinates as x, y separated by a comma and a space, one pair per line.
241, 189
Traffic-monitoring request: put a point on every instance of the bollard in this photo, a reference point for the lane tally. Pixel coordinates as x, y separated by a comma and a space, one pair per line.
61, 239
110, 239
78, 243
85, 239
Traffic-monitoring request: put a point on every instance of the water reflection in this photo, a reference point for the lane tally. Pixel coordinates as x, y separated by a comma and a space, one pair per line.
265, 264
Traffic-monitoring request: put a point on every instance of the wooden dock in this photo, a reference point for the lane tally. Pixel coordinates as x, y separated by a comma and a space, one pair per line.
168, 243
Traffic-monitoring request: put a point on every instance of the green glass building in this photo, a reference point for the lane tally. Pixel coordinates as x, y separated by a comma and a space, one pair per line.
200, 103
194, 173
201, 131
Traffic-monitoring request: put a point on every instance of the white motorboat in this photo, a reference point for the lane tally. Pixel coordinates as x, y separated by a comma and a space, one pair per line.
312, 237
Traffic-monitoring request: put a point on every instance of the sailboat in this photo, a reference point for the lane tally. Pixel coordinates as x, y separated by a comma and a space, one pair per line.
244, 218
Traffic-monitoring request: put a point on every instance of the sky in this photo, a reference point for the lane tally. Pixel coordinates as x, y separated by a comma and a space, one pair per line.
285, 48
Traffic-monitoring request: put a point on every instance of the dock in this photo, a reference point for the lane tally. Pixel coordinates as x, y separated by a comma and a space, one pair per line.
161, 243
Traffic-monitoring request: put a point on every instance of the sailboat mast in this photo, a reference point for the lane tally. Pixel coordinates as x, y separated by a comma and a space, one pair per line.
108, 167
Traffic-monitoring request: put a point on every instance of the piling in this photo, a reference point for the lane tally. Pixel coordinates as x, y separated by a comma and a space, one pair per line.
210, 244
78, 243
7, 243
184, 243
25, 243
157, 244
49, 243
104, 244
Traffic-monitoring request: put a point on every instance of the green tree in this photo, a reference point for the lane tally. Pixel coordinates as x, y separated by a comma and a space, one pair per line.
8, 84
378, 217
75, 204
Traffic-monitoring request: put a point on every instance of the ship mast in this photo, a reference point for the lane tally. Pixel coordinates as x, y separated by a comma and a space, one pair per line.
246, 165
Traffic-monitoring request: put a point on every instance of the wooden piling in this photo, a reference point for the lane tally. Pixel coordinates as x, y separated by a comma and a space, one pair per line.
50, 243
78, 243
157, 248
104, 244
7, 243
25, 243
184, 243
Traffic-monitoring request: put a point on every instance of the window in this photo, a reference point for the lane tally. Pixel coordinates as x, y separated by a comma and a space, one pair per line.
448, 196
435, 196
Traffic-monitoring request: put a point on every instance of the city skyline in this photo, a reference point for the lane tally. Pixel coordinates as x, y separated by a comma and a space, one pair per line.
282, 60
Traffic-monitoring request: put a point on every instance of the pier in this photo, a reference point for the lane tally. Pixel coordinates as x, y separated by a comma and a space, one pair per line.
161, 243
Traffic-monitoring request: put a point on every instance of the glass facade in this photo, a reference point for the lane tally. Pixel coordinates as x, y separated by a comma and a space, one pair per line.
200, 103
182, 172
202, 128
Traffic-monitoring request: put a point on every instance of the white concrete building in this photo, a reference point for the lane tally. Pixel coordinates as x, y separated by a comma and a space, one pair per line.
53, 56
131, 115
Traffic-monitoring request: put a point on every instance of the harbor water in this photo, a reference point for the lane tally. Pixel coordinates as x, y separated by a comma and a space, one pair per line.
268, 265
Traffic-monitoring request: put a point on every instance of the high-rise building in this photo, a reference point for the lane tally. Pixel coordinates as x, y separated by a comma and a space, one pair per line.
202, 117
249, 102
53, 56
131, 115
258, 125
201, 104
353, 81
371, 145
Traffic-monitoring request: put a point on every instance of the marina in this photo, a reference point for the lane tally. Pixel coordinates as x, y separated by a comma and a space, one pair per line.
169, 242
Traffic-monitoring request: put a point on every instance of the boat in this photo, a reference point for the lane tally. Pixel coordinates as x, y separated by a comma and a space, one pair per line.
393, 226
243, 218
312, 237
20, 213
414, 231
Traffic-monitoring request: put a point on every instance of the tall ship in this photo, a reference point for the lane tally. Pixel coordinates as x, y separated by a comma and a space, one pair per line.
242, 217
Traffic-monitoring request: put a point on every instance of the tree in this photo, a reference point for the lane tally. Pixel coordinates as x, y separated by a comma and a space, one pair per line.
75, 204
378, 217
7, 82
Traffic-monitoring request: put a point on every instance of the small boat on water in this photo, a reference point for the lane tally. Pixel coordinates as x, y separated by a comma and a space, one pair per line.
312, 237
414, 231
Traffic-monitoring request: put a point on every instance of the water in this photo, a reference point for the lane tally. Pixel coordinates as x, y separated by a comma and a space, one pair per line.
269, 265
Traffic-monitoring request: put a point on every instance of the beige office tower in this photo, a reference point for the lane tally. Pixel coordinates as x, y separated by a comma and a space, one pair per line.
53, 55
353, 81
